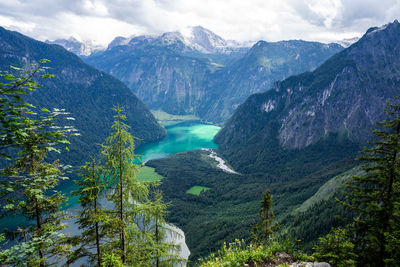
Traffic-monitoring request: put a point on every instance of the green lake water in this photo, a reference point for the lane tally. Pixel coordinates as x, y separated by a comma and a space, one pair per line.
180, 137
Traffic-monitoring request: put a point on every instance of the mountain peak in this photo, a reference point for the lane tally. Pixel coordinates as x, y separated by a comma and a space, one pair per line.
77, 47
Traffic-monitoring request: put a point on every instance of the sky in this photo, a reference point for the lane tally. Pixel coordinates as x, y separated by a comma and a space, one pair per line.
242, 20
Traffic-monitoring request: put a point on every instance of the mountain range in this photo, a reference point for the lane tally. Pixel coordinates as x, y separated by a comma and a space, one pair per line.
87, 93
344, 96
202, 74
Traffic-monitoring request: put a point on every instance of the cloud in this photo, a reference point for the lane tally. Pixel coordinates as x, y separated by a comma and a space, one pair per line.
102, 20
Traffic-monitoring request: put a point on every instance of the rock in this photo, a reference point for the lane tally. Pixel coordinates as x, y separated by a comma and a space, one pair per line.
310, 264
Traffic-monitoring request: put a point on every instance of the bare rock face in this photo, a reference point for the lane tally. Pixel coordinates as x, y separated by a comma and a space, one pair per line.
345, 96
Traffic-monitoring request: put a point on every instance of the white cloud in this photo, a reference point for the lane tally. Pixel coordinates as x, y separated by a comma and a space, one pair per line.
102, 20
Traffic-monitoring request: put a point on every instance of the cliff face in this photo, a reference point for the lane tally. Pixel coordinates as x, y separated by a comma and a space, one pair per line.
88, 94
345, 96
256, 72
202, 74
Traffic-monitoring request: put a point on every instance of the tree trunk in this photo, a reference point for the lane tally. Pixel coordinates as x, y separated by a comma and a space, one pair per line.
121, 202
39, 227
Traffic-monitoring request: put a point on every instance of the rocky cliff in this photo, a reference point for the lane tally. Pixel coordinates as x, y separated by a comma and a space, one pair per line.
345, 96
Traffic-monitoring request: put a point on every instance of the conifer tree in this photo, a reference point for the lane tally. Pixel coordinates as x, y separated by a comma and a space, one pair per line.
120, 174
265, 228
164, 253
91, 217
135, 229
375, 197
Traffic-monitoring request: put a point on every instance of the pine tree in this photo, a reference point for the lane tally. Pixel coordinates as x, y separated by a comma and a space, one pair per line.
336, 249
265, 228
135, 230
375, 197
91, 217
164, 253
120, 174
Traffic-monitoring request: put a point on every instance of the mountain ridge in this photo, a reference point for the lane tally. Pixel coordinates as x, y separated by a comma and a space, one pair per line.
87, 93
168, 74
344, 96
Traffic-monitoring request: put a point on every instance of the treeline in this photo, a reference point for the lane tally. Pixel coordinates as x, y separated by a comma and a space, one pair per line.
121, 220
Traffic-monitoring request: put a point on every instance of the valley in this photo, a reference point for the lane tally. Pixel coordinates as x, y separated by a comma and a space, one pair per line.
289, 145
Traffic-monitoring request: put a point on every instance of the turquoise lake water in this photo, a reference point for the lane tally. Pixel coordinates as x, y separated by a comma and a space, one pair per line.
181, 137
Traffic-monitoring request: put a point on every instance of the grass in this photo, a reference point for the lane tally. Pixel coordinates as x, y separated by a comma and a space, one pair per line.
328, 189
239, 253
197, 189
165, 117
148, 174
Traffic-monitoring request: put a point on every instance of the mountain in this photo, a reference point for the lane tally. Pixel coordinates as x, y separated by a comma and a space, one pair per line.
299, 139
199, 73
258, 69
344, 97
87, 93
348, 41
77, 47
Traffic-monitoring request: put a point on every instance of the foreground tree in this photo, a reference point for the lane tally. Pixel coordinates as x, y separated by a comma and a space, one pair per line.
375, 197
265, 228
27, 184
135, 230
30, 188
15, 112
336, 249
91, 217
163, 253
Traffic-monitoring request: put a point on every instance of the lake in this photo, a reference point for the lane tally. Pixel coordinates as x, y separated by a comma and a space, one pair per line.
181, 137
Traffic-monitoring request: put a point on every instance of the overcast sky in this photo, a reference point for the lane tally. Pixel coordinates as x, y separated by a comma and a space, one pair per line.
270, 20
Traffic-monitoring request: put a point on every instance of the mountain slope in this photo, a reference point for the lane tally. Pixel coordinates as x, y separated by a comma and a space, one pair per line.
343, 97
88, 94
263, 64
200, 73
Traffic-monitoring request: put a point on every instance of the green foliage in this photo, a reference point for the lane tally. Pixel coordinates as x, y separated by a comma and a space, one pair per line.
197, 189
336, 249
238, 253
264, 229
135, 230
91, 218
375, 196
15, 113
228, 210
28, 183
